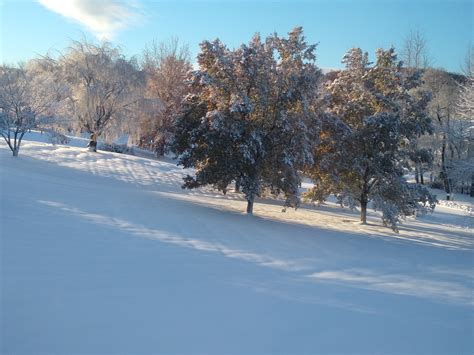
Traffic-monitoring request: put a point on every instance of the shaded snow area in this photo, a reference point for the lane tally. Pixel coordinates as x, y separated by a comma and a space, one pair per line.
105, 253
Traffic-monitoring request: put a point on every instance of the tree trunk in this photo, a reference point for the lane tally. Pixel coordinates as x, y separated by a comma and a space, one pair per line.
93, 143
444, 170
363, 208
250, 206
92, 146
417, 180
16, 146
422, 179
472, 186
160, 150
237, 185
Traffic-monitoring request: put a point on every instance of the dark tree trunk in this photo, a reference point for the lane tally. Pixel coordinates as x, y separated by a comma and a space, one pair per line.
93, 143
472, 186
160, 150
417, 179
92, 146
15, 152
237, 185
364, 196
250, 206
363, 208
422, 179
447, 187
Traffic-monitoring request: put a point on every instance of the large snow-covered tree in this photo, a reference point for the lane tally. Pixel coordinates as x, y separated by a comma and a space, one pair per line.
250, 118
103, 86
27, 94
373, 114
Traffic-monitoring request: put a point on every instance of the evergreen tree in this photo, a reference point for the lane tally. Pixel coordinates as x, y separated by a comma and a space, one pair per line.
250, 117
374, 113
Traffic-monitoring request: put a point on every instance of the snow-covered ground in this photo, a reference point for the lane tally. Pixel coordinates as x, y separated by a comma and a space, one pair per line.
105, 253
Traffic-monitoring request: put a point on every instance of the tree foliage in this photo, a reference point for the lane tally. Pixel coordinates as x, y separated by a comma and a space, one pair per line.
374, 111
249, 117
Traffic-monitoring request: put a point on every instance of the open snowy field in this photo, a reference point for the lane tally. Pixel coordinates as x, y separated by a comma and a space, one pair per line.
105, 253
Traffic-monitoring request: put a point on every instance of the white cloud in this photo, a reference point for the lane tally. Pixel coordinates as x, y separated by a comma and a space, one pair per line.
101, 17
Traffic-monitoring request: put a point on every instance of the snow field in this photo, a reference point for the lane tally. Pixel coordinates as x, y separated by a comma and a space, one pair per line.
105, 253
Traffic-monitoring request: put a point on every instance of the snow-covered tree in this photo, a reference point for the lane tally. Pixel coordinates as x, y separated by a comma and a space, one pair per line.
374, 112
465, 104
449, 143
27, 95
103, 86
249, 118
166, 66
465, 109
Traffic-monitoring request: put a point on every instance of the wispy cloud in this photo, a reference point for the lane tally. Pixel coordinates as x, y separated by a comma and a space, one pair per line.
101, 17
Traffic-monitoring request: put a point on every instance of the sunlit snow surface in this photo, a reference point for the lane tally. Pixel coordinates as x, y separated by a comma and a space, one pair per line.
105, 253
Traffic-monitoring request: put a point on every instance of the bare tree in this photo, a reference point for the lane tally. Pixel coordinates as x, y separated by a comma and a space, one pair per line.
467, 67
26, 96
166, 66
415, 51
103, 86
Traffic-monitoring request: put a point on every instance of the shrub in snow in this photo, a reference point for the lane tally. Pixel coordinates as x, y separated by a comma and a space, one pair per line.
55, 137
116, 148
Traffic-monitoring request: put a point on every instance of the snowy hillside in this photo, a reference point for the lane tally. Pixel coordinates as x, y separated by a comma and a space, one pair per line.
105, 253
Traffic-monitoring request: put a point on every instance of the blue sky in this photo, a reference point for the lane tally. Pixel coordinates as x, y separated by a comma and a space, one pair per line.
30, 27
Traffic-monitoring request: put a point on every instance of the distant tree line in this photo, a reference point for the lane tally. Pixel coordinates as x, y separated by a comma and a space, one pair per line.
259, 118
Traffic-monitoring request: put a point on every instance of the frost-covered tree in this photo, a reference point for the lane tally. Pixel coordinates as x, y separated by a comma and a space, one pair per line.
250, 117
166, 66
27, 95
449, 142
465, 104
103, 86
374, 112
465, 109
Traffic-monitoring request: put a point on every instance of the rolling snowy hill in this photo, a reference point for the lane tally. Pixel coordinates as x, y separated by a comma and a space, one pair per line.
105, 253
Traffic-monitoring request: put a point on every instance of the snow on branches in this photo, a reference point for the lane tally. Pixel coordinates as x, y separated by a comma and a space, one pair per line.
250, 118
374, 112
